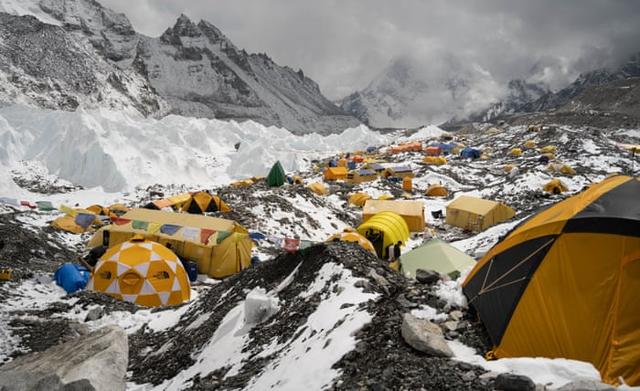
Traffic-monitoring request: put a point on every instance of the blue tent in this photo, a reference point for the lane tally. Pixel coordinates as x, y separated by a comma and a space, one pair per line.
371, 149
446, 148
72, 277
470, 153
333, 163
351, 165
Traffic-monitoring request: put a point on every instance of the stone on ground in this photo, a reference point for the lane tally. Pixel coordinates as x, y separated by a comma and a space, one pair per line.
424, 336
513, 382
97, 361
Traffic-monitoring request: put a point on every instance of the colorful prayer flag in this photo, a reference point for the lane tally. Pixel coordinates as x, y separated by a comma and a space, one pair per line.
119, 220
291, 245
137, 224
9, 201
169, 229
27, 204
153, 228
68, 211
45, 205
205, 234
222, 235
190, 233
305, 244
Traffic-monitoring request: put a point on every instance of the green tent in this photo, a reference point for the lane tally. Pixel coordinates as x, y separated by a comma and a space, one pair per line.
276, 176
435, 255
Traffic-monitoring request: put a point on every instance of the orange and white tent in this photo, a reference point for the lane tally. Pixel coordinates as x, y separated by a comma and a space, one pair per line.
142, 272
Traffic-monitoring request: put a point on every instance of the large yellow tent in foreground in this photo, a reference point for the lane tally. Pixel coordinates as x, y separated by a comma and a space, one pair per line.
565, 283
141, 272
226, 252
477, 214
411, 211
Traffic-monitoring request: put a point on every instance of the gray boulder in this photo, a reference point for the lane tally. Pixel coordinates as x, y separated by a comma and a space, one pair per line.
513, 382
586, 385
424, 336
97, 361
427, 277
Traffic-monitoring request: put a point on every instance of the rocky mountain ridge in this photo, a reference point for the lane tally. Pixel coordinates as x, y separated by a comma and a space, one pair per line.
65, 54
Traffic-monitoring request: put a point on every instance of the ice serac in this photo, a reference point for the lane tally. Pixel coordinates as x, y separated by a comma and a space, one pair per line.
201, 73
93, 58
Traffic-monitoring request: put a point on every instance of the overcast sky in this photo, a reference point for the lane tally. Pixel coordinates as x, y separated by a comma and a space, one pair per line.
343, 44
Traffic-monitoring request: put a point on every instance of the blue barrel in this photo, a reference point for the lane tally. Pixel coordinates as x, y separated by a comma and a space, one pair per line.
192, 270
72, 277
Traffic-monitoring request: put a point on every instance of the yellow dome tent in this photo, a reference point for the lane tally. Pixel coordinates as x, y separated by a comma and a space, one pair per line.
436, 190
565, 283
98, 210
561, 169
318, 188
383, 229
358, 199
555, 186
385, 196
242, 183
349, 235
515, 152
548, 149
201, 202
530, 144
477, 214
141, 272
508, 167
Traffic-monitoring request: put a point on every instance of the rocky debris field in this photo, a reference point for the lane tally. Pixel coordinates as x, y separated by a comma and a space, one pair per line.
381, 357
27, 249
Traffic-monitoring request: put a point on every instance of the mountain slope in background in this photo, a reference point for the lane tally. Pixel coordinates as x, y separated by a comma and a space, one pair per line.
409, 94
614, 93
519, 93
587, 84
61, 54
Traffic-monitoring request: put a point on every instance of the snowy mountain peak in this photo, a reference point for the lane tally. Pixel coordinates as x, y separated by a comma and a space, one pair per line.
183, 27
97, 59
410, 93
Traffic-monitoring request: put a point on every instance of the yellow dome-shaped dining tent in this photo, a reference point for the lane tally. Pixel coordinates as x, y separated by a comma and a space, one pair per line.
142, 272
383, 229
